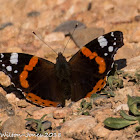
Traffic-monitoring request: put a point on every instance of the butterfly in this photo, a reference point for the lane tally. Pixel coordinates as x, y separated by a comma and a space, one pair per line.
47, 84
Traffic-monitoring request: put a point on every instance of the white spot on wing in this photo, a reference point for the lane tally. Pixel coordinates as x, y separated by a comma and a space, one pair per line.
114, 38
112, 34
102, 41
110, 48
108, 72
9, 68
105, 54
12, 84
0, 60
114, 43
112, 65
19, 89
14, 58
3, 65
2, 55
15, 71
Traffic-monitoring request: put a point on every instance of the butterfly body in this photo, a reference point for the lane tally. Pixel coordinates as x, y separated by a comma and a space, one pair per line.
63, 76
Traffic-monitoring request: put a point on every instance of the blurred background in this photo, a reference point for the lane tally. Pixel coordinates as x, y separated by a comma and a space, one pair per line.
52, 20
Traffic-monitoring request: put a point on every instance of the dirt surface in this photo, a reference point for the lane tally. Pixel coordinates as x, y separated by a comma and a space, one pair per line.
18, 18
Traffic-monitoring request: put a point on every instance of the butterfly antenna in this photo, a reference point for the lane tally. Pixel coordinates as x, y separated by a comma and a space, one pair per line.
44, 42
70, 38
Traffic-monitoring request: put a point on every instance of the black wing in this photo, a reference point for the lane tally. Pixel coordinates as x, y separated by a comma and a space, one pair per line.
34, 76
92, 63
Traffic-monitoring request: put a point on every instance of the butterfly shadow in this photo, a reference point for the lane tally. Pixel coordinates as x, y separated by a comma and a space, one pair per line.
122, 63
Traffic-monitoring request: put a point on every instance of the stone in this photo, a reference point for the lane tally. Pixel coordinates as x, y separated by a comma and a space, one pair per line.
56, 36
39, 113
4, 79
121, 107
33, 14
100, 131
80, 127
12, 98
136, 35
116, 135
14, 124
62, 112
30, 110
6, 106
8, 33
133, 64
69, 26
81, 39
100, 114
4, 25
23, 103
137, 18
14, 49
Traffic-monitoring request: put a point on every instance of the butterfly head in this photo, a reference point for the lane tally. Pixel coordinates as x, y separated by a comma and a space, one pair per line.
61, 62
60, 59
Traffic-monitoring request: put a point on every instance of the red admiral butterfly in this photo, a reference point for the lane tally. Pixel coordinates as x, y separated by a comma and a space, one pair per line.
47, 84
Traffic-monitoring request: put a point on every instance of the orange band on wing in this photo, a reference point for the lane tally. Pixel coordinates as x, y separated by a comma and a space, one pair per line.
37, 100
99, 60
28, 67
33, 61
86, 51
100, 84
24, 75
102, 66
23, 81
